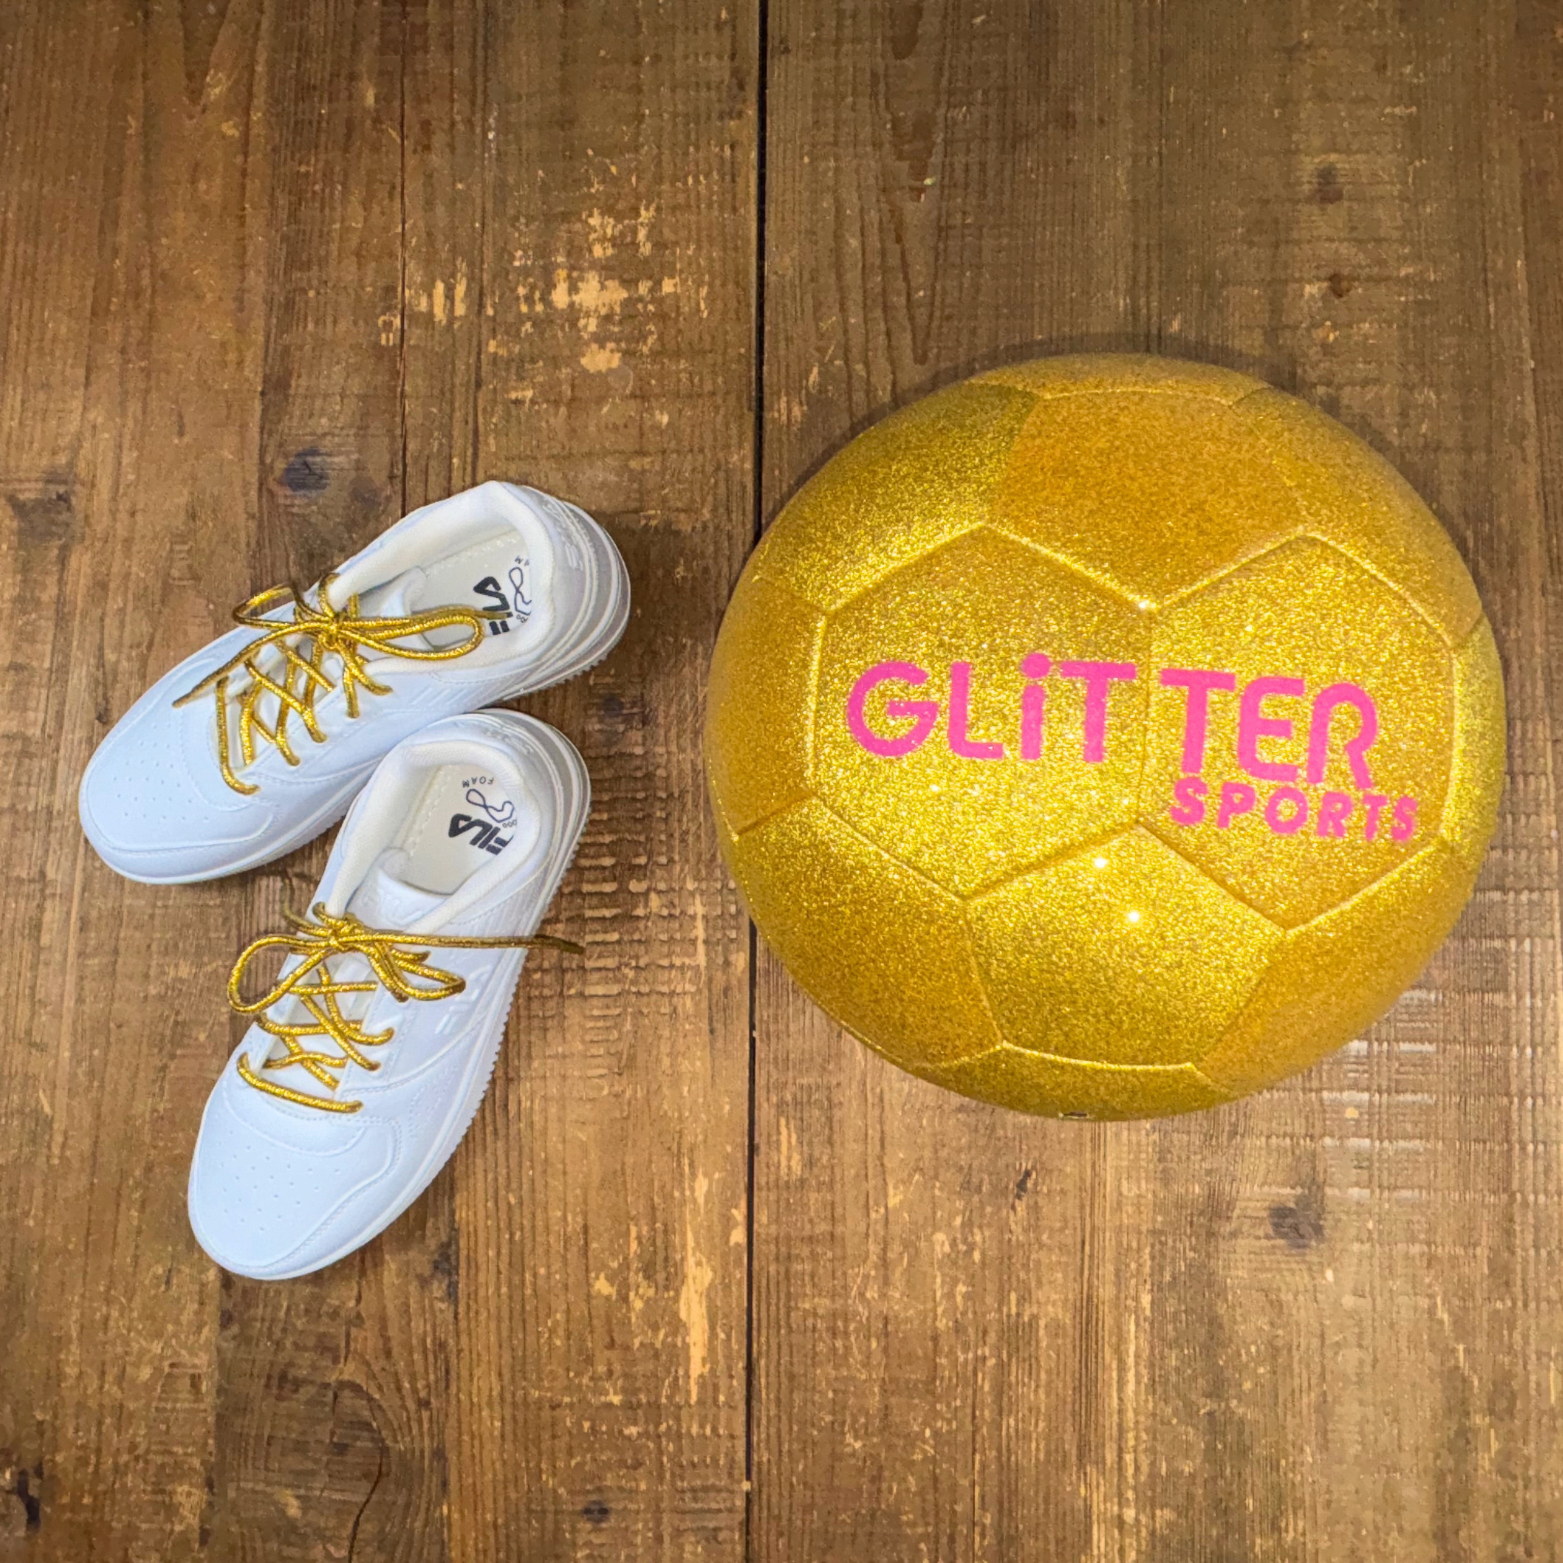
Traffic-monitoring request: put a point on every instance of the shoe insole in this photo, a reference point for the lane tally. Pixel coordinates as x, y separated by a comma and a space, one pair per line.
493, 574
464, 819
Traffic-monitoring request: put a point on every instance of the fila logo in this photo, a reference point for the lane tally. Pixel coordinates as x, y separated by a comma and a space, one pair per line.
517, 606
484, 835
490, 588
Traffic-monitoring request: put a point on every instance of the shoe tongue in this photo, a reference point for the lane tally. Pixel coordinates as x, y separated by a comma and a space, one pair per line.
397, 598
385, 900
401, 596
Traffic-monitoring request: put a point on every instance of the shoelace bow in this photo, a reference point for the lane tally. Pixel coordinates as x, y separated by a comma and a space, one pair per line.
332, 632
399, 963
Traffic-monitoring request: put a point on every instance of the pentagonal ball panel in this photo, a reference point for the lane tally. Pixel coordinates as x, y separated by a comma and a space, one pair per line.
1149, 492
1096, 374
1332, 978
1476, 767
1120, 953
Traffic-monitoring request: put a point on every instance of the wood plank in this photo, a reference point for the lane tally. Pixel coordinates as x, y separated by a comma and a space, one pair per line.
128, 422
1322, 1321
608, 253
331, 1389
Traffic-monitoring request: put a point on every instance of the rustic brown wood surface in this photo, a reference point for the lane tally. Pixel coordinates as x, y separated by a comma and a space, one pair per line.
706, 1279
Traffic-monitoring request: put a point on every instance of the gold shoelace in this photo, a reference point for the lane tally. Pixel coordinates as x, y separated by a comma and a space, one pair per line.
399, 962
339, 633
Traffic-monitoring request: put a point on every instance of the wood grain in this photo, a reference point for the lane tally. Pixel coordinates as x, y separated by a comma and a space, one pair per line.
272, 273
600, 1313
331, 1392
1323, 1322
129, 344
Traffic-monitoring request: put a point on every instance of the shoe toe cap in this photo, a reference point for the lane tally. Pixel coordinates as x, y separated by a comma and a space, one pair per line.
146, 816
272, 1208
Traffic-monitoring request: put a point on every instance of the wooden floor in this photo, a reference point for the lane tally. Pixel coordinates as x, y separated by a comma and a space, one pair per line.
707, 1280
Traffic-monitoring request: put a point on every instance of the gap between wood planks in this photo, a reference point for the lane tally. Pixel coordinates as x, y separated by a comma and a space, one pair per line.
757, 489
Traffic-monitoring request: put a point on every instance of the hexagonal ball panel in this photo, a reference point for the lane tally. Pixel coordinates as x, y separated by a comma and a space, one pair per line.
918, 479
1149, 492
1353, 498
1331, 979
760, 702
1121, 953
1305, 611
873, 944
965, 823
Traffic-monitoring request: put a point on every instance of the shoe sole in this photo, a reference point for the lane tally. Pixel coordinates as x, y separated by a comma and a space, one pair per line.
484, 1063
604, 636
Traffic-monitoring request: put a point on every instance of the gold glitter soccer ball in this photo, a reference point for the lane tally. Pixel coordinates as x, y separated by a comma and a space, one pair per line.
1105, 736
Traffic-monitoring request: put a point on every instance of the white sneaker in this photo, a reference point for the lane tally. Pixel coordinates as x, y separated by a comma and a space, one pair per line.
347, 1095
258, 742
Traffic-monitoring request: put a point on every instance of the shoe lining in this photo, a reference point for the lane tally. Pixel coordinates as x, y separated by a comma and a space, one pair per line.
493, 574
